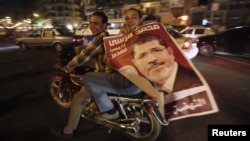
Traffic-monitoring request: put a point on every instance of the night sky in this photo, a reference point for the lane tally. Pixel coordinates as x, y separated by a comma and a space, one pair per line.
203, 2
10, 6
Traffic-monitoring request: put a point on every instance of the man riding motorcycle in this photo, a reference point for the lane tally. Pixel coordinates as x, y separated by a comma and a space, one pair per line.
97, 83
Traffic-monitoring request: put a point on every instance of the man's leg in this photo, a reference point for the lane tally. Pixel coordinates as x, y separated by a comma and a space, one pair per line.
99, 84
76, 110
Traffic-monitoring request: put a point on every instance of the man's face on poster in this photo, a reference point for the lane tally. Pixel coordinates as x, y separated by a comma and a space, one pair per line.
154, 61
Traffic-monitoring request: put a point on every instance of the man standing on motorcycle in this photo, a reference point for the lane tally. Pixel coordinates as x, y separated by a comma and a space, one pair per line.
97, 84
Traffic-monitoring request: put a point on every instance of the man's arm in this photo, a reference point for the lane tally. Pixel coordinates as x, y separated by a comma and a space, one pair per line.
94, 47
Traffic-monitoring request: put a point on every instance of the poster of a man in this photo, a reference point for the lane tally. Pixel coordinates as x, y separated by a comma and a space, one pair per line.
156, 61
149, 52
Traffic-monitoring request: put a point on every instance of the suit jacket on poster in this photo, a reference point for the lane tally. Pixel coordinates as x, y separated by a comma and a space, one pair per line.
185, 78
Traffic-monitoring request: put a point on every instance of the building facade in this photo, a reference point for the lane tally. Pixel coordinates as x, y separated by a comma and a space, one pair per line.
229, 12
64, 12
170, 11
60, 12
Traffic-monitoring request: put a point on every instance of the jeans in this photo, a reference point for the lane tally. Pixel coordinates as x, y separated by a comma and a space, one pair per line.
99, 84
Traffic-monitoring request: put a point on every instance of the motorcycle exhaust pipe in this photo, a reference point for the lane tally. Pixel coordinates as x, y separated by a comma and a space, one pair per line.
126, 126
156, 113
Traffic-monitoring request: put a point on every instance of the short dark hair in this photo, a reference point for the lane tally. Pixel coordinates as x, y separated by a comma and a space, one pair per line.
138, 11
147, 37
102, 15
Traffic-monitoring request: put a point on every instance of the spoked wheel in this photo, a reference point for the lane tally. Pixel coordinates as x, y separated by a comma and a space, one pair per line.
206, 50
60, 94
147, 129
58, 47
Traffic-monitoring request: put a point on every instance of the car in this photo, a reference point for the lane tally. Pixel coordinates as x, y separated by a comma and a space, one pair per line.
82, 39
187, 45
233, 41
197, 31
45, 37
83, 33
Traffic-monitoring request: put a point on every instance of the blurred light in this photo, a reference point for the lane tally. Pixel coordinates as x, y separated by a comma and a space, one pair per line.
8, 20
40, 25
36, 15
69, 26
186, 45
46, 23
191, 52
184, 17
48, 26
205, 22
8, 48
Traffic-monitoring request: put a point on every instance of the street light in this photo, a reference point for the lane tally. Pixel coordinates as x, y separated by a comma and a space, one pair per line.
35, 20
36, 15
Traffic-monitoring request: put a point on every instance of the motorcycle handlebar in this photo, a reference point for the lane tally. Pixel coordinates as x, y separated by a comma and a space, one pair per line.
58, 66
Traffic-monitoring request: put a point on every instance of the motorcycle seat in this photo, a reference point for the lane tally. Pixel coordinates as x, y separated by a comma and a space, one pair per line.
137, 95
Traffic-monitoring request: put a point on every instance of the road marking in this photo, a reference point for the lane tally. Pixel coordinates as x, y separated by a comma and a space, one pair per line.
248, 64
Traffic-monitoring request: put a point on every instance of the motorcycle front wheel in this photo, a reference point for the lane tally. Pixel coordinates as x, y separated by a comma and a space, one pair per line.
60, 94
148, 129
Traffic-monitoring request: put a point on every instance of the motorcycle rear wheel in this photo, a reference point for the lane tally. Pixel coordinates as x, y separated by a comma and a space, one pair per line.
149, 129
57, 92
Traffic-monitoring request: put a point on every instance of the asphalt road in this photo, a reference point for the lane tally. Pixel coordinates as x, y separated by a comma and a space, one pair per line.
27, 111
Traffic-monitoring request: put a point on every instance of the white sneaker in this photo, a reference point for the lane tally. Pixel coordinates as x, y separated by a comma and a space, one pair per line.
105, 116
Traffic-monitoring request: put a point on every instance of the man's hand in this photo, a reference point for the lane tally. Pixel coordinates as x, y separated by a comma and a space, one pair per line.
61, 67
58, 67
125, 30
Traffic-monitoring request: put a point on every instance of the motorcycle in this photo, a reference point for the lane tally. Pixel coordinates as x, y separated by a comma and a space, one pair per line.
61, 88
139, 120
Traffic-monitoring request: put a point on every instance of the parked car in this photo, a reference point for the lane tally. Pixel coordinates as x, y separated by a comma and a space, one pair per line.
234, 41
197, 31
187, 45
45, 37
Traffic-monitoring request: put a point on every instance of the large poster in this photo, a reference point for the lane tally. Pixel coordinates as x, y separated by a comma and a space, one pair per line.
150, 58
